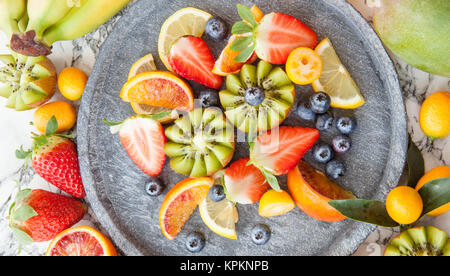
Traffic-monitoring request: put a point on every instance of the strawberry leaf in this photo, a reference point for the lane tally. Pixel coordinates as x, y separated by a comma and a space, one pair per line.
272, 180
246, 14
241, 43
21, 154
23, 213
22, 194
109, 123
40, 140
22, 237
52, 126
246, 54
160, 115
435, 194
241, 27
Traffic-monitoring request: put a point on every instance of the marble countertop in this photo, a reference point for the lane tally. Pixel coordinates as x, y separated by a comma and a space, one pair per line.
416, 86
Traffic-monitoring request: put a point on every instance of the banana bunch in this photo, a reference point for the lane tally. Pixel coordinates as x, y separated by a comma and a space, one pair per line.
34, 25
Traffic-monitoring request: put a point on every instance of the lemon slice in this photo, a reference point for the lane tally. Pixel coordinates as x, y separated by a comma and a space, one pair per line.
187, 21
336, 80
144, 64
220, 217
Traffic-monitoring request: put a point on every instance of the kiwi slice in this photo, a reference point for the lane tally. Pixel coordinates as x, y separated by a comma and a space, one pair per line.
278, 96
420, 241
200, 143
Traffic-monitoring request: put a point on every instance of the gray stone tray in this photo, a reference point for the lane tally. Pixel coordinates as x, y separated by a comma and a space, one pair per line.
115, 186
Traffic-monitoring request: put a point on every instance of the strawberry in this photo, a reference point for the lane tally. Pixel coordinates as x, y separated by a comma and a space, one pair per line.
191, 58
244, 183
55, 159
277, 151
274, 38
143, 139
39, 215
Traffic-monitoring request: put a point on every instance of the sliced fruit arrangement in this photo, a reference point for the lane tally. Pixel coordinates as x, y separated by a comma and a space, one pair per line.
259, 98
200, 143
159, 88
274, 38
55, 158
180, 202
335, 79
275, 203
420, 241
184, 22
81, 241
143, 139
27, 82
311, 191
278, 151
52, 20
191, 58
38, 215
244, 183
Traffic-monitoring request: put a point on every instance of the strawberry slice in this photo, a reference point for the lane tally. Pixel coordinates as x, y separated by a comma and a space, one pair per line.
244, 183
279, 34
191, 58
277, 151
143, 139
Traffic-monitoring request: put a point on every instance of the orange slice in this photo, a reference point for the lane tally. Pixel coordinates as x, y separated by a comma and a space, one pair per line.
275, 203
81, 241
180, 202
159, 88
303, 66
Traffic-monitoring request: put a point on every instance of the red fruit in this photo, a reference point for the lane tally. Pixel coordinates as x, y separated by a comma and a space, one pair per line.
143, 139
279, 34
50, 214
245, 184
57, 162
279, 150
191, 58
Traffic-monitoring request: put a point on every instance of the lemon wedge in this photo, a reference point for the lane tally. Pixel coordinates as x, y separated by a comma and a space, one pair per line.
336, 80
187, 21
220, 217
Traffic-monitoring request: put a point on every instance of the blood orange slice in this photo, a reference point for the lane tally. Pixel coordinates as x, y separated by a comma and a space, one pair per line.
81, 241
180, 202
159, 88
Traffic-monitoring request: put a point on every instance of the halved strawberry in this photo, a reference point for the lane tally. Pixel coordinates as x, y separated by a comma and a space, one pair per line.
191, 58
143, 139
244, 183
277, 151
279, 34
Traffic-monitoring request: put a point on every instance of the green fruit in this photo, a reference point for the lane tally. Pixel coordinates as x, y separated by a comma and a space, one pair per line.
200, 143
420, 241
279, 97
417, 32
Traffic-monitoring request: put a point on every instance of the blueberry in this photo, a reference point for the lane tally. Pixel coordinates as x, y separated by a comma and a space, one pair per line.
341, 143
324, 121
320, 102
216, 193
322, 152
304, 111
154, 187
254, 96
260, 234
195, 242
209, 98
335, 169
216, 28
346, 125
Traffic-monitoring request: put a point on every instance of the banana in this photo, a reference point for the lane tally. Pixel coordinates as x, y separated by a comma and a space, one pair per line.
11, 11
82, 20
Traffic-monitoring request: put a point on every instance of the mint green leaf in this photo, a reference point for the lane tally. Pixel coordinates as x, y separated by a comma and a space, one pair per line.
435, 194
241, 43
23, 213
52, 126
368, 211
241, 27
246, 54
246, 14
416, 167
22, 237
272, 180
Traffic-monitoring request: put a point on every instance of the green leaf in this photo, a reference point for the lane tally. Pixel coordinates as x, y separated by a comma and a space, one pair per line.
23, 213
416, 168
241, 27
160, 115
68, 136
241, 43
22, 237
23, 194
272, 180
246, 14
435, 194
52, 126
40, 140
21, 154
369, 211
109, 123
246, 54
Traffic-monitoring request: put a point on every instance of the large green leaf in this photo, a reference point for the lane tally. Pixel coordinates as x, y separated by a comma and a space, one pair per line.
368, 211
415, 162
435, 194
